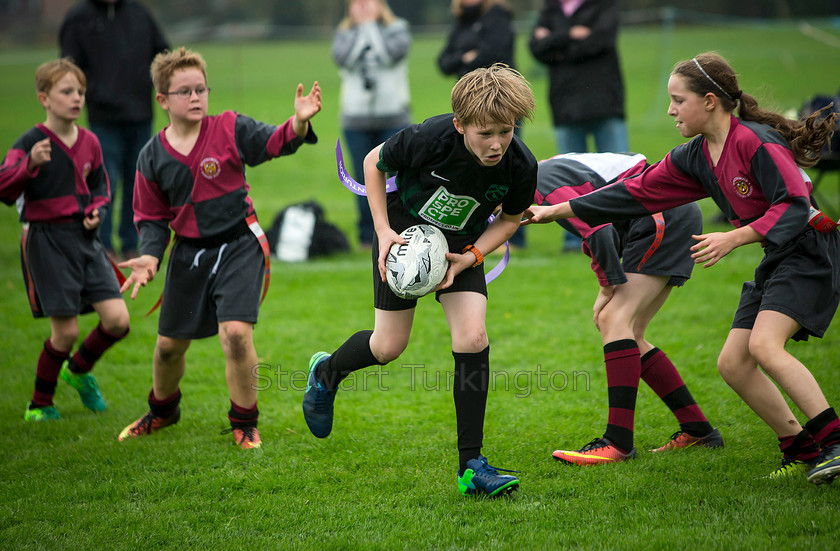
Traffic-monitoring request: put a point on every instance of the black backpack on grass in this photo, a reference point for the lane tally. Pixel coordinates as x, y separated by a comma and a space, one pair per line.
300, 232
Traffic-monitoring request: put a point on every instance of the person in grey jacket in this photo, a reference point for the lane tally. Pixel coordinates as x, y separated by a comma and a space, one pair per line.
370, 47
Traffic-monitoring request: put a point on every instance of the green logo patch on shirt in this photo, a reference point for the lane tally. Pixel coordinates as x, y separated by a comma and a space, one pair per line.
496, 193
448, 211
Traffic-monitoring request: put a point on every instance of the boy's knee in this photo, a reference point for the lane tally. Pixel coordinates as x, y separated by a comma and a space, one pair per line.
169, 349
763, 350
236, 337
387, 353
471, 340
64, 340
117, 326
732, 367
386, 346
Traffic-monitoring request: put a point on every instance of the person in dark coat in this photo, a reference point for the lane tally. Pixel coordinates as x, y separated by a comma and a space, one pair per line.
114, 43
482, 34
576, 40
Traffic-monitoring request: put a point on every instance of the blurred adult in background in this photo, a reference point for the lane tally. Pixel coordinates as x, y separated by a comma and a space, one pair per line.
481, 35
370, 47
576, 39
114, 42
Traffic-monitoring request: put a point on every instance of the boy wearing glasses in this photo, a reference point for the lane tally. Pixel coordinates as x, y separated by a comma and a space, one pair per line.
191, 179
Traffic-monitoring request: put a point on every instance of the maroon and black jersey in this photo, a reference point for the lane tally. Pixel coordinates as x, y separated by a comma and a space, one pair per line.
756, 182
71, 185
204, 195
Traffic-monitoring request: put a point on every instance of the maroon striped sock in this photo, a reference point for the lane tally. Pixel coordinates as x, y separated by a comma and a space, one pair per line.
825, 428
46, 376
243, 417
92, 349
164, 407
624, 366
799, 447
663, 378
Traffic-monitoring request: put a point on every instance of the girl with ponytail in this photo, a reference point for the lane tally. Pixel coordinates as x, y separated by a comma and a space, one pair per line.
750, 166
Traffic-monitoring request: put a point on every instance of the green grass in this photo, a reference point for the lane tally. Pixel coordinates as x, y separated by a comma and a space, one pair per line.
386, 477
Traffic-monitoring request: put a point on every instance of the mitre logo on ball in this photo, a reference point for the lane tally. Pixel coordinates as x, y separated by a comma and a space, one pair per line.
415, 268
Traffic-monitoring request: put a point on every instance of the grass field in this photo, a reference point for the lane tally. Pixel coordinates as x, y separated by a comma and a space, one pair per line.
386, 477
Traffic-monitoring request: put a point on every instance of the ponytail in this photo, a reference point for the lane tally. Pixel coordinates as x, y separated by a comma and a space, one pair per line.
806, 137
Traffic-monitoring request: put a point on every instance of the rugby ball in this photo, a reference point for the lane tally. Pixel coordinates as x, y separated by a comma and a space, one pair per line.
415, 268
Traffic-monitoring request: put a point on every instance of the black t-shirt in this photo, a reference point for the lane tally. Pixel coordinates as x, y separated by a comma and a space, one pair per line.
439, 181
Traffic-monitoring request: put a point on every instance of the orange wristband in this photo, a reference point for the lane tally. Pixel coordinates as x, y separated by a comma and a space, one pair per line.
479, 258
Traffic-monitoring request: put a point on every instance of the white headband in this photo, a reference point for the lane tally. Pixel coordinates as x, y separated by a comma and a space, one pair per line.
718, 86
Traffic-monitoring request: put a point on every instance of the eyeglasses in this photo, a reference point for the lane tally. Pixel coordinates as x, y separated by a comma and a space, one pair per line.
186, 93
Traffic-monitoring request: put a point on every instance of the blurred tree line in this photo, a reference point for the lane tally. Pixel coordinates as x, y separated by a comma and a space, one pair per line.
32, 21
436, 12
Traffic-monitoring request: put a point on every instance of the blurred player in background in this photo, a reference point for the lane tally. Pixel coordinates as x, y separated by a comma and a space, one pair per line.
54, 172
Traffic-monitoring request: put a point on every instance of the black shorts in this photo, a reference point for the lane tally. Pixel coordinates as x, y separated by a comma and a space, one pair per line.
208, 285
801, 279
66, 269
660, 245
471, 279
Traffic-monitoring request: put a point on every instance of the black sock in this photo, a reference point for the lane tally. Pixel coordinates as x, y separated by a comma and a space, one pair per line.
470, 386
351, 356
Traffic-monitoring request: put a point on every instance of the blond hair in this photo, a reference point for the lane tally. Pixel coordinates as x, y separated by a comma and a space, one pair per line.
47, 74
710, 73
166, 63
386, 18
495, 94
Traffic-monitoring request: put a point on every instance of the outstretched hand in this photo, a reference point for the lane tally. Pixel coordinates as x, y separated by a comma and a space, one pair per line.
711, 247
306, 107
143, 270
539, 214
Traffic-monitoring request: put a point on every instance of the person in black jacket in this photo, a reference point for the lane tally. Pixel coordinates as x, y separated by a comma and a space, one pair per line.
114, 42
576, 39
481, 35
